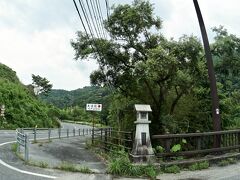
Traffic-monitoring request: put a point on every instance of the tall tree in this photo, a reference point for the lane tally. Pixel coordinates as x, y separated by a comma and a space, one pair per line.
226, 50
41, 85
140, 63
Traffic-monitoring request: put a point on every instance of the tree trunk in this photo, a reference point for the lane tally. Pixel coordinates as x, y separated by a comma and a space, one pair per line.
156, 125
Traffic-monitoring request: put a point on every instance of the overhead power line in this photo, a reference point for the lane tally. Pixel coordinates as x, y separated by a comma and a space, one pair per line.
100, 17
108, 9
86, 18
93, 5
92, 35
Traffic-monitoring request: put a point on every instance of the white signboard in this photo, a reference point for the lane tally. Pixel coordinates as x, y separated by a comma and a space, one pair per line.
94, 107
2, 110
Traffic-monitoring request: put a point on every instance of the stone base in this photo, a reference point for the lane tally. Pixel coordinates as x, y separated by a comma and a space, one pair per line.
142, 158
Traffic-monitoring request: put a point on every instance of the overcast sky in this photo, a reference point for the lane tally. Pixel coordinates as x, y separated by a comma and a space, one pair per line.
35, 34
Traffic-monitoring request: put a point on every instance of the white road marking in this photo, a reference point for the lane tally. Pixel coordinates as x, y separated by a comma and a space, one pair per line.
10, 142
22, 171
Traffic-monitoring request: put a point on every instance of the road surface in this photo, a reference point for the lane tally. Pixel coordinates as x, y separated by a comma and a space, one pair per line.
11, 168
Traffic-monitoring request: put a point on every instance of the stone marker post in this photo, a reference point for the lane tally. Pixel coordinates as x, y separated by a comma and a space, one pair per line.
142, 148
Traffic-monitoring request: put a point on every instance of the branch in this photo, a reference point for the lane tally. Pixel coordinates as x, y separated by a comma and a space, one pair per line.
176, 100
132, 95
151, 92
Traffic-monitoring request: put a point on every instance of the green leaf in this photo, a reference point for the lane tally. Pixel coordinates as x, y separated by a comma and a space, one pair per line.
176, 148
184, 141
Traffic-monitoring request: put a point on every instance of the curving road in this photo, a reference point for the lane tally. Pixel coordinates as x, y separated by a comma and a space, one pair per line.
11, 168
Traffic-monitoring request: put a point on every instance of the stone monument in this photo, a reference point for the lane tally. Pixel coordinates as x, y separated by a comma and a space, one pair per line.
142, 149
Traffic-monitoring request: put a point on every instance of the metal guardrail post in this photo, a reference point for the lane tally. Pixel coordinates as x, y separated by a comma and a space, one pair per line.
26, 147
49, 134
92, 135
198, 141
239, 140
59, 133
105, 139
67, 132
18, 145
74, 132
168, 144
35, 135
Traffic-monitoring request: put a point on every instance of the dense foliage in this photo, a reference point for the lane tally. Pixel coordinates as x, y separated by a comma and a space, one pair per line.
226, 51
170, 75
41, 84
79, 97
22, 108
73, 103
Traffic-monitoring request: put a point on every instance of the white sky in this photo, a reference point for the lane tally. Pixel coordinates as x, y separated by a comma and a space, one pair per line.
35, 34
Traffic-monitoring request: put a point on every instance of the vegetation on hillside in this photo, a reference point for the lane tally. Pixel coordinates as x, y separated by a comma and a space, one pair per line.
23, 109
72, 104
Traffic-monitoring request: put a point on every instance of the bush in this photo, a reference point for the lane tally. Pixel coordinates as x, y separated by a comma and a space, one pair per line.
199, 166
172, 169
14, 147
159, 149
226, 162
121, 165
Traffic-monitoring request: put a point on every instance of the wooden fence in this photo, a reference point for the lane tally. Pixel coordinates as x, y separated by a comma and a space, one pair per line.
191, 144
112, 140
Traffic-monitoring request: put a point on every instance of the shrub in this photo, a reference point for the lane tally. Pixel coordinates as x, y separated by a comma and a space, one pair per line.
199, 166
226, 162
121, 165
159, 149
43, 164
172, 169
14, 147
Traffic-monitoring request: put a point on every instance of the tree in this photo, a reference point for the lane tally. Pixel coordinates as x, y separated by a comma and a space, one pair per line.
140, 63
41, 85
226, 51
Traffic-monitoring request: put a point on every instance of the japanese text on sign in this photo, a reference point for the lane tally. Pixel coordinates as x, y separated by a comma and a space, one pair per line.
94, 107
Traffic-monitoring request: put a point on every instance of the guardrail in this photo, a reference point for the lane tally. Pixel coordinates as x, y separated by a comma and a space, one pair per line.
22, 139
23, 136
197, 143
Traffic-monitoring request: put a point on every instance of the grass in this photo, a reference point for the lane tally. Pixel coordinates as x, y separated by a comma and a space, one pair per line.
199, 166
40, 164
88, 144
121, 165
14, 147
66, 166
227, 161
34, 141
172, 169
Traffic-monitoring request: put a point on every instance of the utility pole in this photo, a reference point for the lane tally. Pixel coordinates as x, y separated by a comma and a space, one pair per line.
211, 75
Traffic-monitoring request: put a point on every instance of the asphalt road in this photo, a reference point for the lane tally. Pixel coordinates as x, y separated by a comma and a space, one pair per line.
6, 156
7, 171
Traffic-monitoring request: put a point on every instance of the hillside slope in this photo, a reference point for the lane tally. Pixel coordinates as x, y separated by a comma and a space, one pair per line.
22, 108
79, 97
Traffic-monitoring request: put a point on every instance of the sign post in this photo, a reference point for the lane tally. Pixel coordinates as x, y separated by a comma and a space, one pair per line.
93, 108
